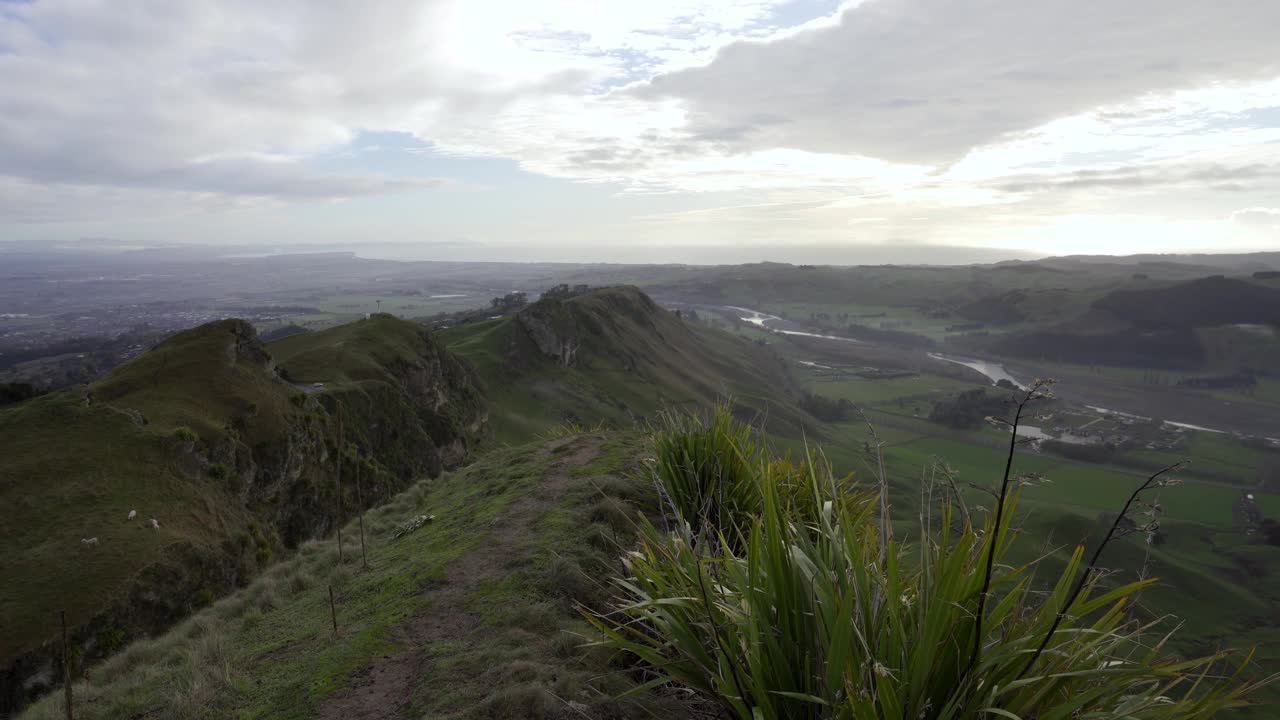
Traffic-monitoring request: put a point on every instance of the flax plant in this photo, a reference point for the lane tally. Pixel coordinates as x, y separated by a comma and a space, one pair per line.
773, 597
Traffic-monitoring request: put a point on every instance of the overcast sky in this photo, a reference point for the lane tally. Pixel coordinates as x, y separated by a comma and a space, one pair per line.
1049, 126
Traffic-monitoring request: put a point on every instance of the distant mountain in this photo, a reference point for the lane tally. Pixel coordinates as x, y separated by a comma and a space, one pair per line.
231, 446
1239, 262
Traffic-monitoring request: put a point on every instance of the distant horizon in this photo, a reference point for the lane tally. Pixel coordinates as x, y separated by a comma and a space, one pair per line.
695, 255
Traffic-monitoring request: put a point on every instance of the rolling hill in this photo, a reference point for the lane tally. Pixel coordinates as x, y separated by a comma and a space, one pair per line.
614, 355
204, 435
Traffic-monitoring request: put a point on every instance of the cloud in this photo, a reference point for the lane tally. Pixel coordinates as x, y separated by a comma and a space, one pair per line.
948, 121
926, 82
202, 97
1210, 176
1258, 218
237, 96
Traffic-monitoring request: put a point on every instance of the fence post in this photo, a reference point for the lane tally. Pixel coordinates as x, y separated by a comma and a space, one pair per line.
66, 666
364, 554
338, 481
333, 613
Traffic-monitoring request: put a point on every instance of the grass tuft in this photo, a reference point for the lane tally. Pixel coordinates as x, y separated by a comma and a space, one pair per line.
776, 594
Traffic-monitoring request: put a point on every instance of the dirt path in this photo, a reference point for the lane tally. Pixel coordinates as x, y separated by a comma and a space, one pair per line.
382, 690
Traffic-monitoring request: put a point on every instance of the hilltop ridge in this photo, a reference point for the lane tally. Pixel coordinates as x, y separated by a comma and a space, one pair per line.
613, 354
204, 434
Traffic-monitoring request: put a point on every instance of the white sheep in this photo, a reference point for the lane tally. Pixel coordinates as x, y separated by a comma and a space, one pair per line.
155, 524
89, 542
133, 514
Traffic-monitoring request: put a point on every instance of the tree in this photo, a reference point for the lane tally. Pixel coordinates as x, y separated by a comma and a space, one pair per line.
969, 409
509, 302
825, 408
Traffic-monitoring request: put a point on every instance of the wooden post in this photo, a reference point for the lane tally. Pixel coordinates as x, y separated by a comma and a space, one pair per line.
333, 613
338, 481
364, 554
66, 666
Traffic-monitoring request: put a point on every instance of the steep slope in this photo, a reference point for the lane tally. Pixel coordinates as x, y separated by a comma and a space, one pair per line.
473, 615
614, 355
234, 462
401, 390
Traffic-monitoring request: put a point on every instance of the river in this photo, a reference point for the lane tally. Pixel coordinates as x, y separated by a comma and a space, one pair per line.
757, 318
994, 372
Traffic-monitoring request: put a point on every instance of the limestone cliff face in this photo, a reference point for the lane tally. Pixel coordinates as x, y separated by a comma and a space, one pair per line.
592, 329
552, 331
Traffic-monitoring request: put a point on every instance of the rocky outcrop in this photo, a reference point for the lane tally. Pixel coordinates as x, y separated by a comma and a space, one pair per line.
588, 329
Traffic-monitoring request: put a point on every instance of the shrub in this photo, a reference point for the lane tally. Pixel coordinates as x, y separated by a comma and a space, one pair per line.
185, 434
968, 409
111, 639
827, 409
219, 471
814, 614
710, 472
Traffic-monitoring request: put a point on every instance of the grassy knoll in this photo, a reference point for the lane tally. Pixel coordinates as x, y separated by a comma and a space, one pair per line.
267, 651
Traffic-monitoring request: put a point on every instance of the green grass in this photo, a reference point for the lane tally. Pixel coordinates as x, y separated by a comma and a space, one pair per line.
1081, 488
276, 655
802, 605
902, 394
921, 323
1214, 456
202, 378
233, 462
73, 471
634, 359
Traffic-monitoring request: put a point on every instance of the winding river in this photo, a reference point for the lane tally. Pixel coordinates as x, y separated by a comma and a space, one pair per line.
994, 372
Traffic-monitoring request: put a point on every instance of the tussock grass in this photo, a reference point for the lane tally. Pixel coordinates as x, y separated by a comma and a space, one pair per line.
776, 593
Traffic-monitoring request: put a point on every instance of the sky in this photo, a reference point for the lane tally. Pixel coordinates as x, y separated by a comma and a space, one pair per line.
728, 130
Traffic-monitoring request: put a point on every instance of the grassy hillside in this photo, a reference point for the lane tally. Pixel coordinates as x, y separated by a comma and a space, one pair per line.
470, 616
614, 355
391, 378
233, 462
